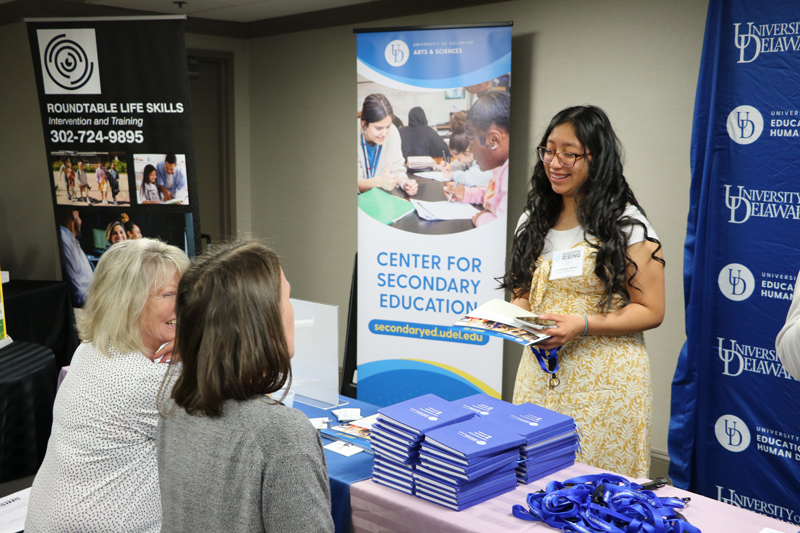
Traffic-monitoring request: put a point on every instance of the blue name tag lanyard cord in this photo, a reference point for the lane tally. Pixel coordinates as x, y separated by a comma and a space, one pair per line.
370, 164
548, 360
605, 503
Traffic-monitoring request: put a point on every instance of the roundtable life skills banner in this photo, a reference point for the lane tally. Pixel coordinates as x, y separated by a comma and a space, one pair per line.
117, 89
413, 285
734, 430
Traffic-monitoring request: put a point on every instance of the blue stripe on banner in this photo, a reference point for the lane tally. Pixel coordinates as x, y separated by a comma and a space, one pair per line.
395, 380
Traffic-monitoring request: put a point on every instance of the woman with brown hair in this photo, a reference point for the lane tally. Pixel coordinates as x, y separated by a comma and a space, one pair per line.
230, 458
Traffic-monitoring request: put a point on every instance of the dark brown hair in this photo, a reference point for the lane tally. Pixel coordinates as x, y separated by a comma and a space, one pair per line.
376, 108
230, 337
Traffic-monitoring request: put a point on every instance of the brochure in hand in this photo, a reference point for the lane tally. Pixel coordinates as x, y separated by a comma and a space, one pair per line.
505, 320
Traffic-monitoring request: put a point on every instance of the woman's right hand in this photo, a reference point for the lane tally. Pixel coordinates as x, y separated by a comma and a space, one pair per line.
386, 181
456, 190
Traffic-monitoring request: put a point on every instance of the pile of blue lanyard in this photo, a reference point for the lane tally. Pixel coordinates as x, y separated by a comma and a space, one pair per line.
605, 503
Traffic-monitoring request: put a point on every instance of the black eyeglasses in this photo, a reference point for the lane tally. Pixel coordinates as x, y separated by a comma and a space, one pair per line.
567, 159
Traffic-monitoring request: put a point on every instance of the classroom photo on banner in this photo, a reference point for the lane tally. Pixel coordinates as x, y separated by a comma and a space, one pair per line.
433, 162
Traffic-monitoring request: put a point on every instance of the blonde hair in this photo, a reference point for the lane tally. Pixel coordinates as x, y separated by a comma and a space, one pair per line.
126, 275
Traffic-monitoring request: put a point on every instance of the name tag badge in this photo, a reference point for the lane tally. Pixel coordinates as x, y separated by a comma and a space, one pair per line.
567, 263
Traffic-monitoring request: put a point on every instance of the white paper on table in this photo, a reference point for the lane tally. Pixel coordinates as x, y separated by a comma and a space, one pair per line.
320, 423
347, 414
343, 448
13, 509
443, 210
434, 175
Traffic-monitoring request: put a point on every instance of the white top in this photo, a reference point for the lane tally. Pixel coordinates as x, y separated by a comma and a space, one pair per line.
557, 240
787, 344
100, 472
473, 176
391, 151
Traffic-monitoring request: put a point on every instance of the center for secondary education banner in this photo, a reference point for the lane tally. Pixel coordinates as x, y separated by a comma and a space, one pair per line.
422, 266
116, 115
734, 429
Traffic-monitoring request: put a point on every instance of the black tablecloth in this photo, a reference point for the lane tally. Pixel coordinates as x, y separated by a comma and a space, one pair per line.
27, 392
41, 312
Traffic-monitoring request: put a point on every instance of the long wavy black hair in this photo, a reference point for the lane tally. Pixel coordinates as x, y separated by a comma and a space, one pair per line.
599, 204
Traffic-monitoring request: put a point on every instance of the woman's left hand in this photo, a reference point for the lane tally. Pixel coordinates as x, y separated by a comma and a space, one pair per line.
410, 186
567, 328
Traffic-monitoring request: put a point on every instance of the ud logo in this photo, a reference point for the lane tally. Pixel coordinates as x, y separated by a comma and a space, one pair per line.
732, 433
736, 282
745, 124
396, 53
69, 61
728, 357
738, 204
743, 41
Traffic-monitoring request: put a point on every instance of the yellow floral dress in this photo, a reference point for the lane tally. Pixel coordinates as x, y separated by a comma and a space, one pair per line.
604, 381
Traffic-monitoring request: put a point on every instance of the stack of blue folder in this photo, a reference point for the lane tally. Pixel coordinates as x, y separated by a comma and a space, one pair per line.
398, 433
467, 463
551, 438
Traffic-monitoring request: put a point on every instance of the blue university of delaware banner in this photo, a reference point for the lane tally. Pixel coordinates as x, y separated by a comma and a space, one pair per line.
423, 266
735, 429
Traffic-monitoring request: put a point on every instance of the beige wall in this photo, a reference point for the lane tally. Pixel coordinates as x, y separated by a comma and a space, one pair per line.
295, 155
28, 246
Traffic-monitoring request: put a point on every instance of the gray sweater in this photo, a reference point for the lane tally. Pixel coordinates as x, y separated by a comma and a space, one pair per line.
258, 467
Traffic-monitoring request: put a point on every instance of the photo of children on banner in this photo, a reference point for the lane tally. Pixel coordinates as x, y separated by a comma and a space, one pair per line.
90, 178
161, 179
488, 134
429, 158
462, 166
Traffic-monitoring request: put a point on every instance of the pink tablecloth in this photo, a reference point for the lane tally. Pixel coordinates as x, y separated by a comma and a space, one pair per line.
376, 508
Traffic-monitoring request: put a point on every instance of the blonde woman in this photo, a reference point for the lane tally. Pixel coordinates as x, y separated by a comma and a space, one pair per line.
99, 472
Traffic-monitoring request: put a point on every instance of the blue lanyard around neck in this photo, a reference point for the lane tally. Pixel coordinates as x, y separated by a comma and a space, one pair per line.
376, 156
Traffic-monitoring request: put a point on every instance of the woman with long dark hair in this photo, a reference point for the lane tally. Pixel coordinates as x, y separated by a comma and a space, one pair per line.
380, 153
586, 258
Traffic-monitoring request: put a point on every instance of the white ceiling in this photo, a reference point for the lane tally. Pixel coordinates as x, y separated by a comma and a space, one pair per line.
230, 10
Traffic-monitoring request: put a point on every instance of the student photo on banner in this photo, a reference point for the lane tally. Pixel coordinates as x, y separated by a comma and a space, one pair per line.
161, 179
417, 164
90, 178
87, 233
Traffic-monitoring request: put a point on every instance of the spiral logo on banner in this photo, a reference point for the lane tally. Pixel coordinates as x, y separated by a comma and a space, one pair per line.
745, 124
69, 61
736, 282
732, 433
